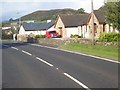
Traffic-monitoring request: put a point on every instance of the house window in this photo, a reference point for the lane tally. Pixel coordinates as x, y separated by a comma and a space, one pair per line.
86, 28
81, 27
90, 29
60, 27
103, 27
95, 28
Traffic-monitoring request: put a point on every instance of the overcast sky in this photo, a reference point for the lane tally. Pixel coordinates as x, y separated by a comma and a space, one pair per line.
17, 8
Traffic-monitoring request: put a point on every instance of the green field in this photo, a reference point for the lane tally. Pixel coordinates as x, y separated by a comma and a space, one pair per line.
110, 52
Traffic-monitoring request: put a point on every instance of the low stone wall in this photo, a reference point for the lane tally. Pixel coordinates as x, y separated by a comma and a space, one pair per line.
58, 42
51, 41
78, 40
22, 38
25, 38
109, 43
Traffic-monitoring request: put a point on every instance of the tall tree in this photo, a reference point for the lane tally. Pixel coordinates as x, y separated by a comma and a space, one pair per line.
11, 19
81, 11
112, 13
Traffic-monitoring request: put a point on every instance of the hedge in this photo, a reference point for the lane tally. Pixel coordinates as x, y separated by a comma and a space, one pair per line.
109, 37
40, 36
75, 36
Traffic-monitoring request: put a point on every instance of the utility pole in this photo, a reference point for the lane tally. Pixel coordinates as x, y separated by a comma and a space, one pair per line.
92, 16
19, 20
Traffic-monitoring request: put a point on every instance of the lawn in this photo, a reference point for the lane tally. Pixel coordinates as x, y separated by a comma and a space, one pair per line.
110, 52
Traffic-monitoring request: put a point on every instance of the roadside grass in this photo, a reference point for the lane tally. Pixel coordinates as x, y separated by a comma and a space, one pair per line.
110, 52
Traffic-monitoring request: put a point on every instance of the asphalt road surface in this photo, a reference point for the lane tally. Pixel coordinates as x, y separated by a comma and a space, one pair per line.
27, 65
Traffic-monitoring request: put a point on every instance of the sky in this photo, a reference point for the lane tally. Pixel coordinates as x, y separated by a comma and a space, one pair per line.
17, 8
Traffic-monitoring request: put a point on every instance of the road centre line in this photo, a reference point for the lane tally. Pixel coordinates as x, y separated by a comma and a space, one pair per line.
105, 59
72, 78
26, 52
44, 61
36, 57
6, 45
75, 80
14, 48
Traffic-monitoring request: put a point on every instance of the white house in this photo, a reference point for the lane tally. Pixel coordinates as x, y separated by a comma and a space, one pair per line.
6, 28
35, 28
81, 25
67, 25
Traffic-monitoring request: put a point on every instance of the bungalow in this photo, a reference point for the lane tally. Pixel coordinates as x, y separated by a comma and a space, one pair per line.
100, 25
68, 24
81, 25
35, 28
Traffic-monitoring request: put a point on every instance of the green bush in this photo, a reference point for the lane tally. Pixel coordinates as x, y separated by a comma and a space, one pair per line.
40, 36
75, 36
4, 36
109, 37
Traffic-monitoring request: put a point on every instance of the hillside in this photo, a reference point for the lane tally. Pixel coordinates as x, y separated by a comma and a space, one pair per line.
49, 14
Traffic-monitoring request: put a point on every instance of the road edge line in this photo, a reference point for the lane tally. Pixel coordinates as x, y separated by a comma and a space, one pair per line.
105, 59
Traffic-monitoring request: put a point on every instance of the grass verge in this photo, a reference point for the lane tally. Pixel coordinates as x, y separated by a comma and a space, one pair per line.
110, 52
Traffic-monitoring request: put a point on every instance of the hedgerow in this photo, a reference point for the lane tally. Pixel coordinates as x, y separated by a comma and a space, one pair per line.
109, 37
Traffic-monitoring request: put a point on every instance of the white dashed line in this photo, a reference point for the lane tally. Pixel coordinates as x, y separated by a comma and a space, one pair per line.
75, 80
26, 52
6, 45
69, 76
14, 48
44, 61
57, 68
105, 59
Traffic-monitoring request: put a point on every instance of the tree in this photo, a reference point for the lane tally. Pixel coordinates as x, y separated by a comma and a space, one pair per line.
54, 17
81, 11
10, 20
112, 13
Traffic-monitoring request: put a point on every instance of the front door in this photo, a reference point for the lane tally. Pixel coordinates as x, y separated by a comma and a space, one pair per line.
61, 32
95, 29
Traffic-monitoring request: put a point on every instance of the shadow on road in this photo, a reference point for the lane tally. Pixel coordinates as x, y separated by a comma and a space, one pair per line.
9, 44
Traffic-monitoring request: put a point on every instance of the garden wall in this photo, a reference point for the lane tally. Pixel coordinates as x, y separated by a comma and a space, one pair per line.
59, 42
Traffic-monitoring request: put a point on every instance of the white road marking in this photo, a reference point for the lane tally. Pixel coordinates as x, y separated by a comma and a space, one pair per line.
6, 45
26, 52
57, 68
75, 80
105, 59
14, 48
44, 61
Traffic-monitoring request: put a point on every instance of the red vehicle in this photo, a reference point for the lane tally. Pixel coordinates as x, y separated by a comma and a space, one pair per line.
51, 34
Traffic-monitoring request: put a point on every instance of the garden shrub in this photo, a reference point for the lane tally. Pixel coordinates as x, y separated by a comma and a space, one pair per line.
40, 36
75, 36
109, 37
4, 36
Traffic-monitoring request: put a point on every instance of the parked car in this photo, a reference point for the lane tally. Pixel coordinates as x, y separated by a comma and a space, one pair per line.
51, 34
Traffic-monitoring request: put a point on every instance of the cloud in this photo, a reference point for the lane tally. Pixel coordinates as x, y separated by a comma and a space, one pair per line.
86, 4
38, 0
15, 7
18, 8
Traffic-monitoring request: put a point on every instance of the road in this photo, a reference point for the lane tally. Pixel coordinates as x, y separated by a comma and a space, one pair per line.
35, 66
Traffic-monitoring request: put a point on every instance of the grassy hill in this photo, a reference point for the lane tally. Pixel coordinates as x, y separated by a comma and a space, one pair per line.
43, 15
